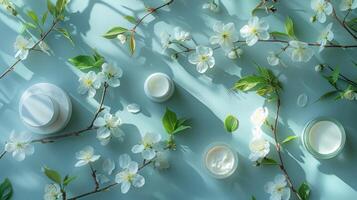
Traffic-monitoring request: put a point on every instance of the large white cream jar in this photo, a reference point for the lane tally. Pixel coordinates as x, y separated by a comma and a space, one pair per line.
324, 137
220, 160
45, 108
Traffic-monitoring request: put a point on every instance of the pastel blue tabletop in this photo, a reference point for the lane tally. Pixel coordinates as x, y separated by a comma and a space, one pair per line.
205, 99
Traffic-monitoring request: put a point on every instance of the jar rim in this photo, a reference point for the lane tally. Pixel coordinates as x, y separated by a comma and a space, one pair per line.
311, 150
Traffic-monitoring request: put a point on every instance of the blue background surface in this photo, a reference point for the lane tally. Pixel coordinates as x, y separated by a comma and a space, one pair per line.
206, 99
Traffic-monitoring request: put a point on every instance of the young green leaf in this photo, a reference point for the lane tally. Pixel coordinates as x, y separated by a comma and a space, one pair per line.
132, 44
329, 95
304, 191
130, 19
181, 128
169, 121
253, 198
44, 18
33, 16
289, 28
268, 161
114, 32
278, 34
82, 62
335, 75
53, 175
231, 123
68, 179
51, 8
65, 34
60, 5
6, 190
289, 138
29, 25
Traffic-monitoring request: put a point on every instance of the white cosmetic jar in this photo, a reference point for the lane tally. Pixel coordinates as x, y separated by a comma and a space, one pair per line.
159, 87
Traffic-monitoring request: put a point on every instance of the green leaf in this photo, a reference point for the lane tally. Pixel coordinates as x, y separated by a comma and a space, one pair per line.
6, 190
268, 161
169, 121
114, 32
44, 18
328, 95
60, 5
231, 123
132, 44
253, 198
53, 175
278, 34
289, 28
68, 179
130, 19
33, 16
289, 138
335, 75
304, 191
51, 8
29, 25
249, 82
180, 129
65, 34
83, 62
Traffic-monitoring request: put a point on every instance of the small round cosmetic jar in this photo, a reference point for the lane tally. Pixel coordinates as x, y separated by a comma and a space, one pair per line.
220, 160
324, 137
45, 108
159, 87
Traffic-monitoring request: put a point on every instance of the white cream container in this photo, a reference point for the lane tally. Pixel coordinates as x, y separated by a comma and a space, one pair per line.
159, 87
324, 137
45, 108
220, 160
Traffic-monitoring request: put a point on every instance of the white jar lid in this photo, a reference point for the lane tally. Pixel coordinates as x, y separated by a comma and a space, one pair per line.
38, 110
45, 108
159, 87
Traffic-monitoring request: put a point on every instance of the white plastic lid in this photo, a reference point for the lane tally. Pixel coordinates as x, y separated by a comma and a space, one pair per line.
38, 110
159, 87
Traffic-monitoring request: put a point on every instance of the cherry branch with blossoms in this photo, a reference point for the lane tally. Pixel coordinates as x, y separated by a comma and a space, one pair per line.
129, 174
267, 85
122, 33
25, 46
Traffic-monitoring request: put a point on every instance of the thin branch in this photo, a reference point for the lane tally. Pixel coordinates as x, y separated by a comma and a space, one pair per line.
278, 149
342, 23
33, 48
2, 154
97, 190
94, 176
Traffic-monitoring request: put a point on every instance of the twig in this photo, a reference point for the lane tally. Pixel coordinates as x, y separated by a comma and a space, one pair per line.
94, 176
342, 23
2, 154
97, 190
43, 37
150, 11
278, 149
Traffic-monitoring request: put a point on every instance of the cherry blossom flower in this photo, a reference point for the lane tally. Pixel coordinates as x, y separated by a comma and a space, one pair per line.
225, 35
202, 58
259, 116
122, 38
259, 147
321, 8
346, 5
129, 175
211, 5
108, 126
278, 189
86, 156
235, 53
110, 74
146, 148
19, 145
255, 30
325, 36
299, 51
22, 46
88, 84
52, 192
181, 35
